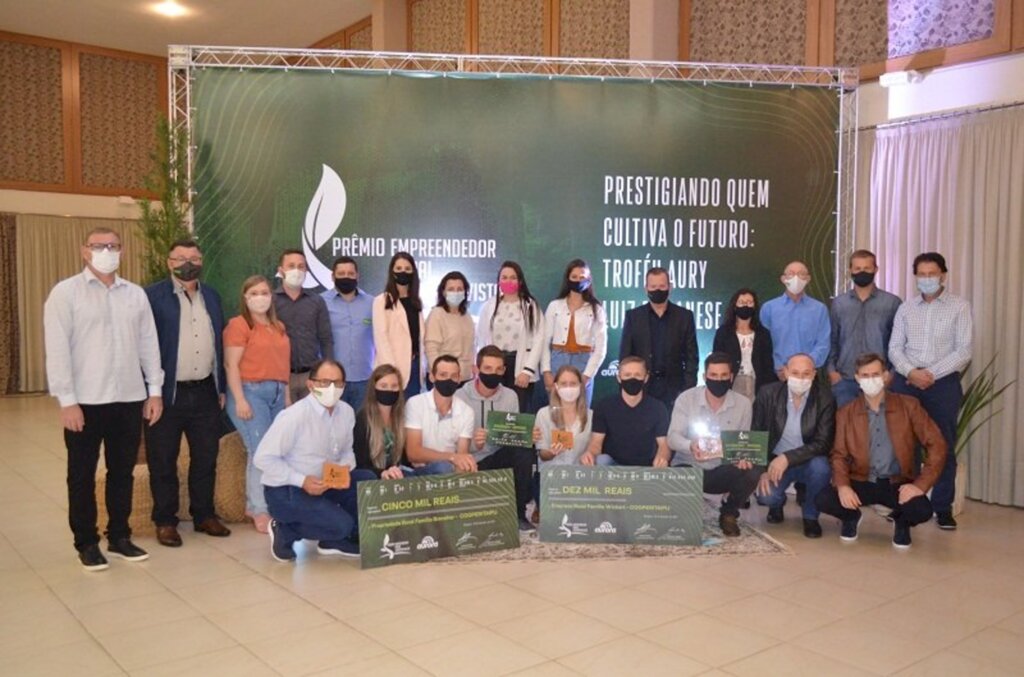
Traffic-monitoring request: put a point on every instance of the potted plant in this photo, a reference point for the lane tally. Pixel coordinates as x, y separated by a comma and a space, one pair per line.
980, 396
164, 221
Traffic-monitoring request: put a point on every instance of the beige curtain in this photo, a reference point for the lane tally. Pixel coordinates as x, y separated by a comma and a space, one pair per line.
8, 307
956, 186
49, 250
862, 223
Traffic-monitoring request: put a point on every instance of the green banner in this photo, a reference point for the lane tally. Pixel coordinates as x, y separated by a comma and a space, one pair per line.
423, 518
622, 504
722, 184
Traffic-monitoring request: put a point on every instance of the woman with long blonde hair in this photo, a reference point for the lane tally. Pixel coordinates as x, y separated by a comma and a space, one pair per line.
257, 363
379, 433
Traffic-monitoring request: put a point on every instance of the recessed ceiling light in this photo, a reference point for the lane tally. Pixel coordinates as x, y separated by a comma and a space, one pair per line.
169, 8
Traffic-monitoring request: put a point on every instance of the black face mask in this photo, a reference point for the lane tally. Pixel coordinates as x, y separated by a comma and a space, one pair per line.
580, 286
188, 271
863, 278
658, 296
447, 387
346, 285
490, 381
744, 312
404, 279
386, 397
631, 386
718, 388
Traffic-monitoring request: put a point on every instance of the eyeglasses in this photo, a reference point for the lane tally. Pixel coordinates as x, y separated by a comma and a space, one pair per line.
179, 260
325, 382
100, 246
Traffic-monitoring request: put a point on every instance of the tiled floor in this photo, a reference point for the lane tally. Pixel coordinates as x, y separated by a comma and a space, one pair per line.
953, 605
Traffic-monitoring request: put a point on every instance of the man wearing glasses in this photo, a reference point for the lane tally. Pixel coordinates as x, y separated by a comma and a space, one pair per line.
313, 431
103, 366
189, 323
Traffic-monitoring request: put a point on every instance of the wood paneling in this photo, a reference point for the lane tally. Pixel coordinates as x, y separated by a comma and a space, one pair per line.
1017, 25
343, 39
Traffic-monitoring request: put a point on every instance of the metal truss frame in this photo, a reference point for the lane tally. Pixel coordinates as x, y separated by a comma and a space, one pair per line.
184, 60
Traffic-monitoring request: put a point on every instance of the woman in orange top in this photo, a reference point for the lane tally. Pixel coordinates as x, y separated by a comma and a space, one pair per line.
256, 359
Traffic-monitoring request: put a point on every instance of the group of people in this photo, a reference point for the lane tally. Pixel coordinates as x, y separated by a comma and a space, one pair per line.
365, 382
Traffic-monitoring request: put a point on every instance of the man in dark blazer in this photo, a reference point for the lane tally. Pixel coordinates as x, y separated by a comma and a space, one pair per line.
189, 322
665, 335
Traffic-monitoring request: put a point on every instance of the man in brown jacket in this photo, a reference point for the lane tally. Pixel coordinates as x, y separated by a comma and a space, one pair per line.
873, 456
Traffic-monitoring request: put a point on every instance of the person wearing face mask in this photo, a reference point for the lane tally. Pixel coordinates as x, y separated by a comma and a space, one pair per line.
665, 335
799, 415
700, 413
512, 320
449, 328
861, 323
485, 394
567, 411
438, 425
256, 359
628, 428
398, 328
189, 322
103, 366
350, 310
742, 337
874, 458
291, 457
930, 347
798, 323
575, 328
379, 433
305, 318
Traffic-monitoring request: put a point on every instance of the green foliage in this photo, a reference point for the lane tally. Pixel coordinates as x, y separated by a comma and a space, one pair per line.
981, 394
164, 222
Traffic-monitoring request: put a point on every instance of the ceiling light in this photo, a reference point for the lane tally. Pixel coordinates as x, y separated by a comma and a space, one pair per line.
169, 8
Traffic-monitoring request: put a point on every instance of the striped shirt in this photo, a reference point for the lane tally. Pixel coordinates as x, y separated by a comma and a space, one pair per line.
935, 336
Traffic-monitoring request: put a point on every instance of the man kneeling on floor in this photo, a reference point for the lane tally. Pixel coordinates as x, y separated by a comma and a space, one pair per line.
292, 454
873, 456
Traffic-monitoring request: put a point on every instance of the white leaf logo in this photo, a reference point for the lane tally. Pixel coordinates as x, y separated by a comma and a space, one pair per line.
323, 218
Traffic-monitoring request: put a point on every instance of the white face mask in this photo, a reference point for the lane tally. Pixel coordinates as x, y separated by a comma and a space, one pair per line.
795, 284
294, 277
328, 396
106, 261
454, 298
872, 386
568, 394
258, 304
799, 386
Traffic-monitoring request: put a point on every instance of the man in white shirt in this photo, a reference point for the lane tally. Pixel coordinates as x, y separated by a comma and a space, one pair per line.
292, 454
103, 366
485, 394
439, 426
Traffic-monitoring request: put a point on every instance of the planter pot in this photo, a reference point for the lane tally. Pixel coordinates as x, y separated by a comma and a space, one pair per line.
960, 487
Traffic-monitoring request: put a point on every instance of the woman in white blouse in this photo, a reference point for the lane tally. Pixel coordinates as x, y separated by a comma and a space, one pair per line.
567, 413
576, 328
512, 321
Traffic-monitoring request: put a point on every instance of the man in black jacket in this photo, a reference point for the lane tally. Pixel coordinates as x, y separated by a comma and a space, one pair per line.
664, 334
799, 415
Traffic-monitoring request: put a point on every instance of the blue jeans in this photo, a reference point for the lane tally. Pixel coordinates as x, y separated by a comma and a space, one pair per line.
942, 402
432, 468
816, 474
413, 387
266, 399
605, 459
354, 393
846, 391
578, 360
328, 518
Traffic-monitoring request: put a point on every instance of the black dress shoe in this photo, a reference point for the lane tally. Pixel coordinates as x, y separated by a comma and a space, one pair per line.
92, 559
775, 515
168, 536
125, 549
945, 521
812, 529
801, 492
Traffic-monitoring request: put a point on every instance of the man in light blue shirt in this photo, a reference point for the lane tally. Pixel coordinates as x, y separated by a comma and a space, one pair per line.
351, 310
931, 344
797, 323
291, 456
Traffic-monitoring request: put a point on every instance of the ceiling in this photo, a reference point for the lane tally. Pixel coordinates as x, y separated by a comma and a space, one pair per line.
132, 25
